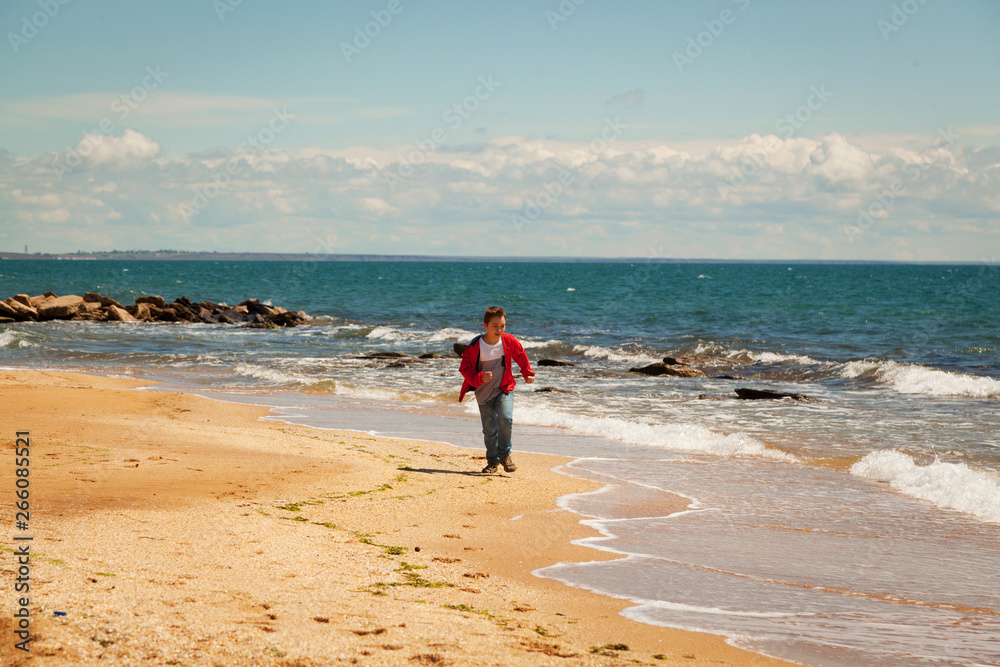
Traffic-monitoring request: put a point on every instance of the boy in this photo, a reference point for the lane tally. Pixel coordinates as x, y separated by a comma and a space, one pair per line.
486, 366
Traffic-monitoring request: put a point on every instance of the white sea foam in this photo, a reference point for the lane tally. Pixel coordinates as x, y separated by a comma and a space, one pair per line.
387, 333
370, 392
332, 386
451, 333
676, 437
916, 379
598, 352
14, 339
529, 344
777, 358
755, 356
949, 485
440, 335
273, 375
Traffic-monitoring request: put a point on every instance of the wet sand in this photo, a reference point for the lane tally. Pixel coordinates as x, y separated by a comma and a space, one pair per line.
174, 529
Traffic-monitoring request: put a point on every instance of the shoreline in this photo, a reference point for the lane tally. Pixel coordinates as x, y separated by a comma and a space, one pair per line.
273, 526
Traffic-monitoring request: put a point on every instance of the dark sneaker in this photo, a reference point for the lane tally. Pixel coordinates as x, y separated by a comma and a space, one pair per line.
490, 468
508, 464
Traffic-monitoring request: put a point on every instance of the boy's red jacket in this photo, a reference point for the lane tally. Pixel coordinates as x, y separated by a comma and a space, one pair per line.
512, 352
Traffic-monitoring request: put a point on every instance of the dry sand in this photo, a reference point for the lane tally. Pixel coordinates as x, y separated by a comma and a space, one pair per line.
177, 530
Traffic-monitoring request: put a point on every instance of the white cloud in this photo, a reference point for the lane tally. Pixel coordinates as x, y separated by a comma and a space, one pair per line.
101, 149
790, 196
837, 160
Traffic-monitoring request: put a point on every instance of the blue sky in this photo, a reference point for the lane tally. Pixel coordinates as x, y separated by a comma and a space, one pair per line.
725, 129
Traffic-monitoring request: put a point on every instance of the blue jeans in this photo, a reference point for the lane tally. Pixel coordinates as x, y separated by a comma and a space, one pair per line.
497, 415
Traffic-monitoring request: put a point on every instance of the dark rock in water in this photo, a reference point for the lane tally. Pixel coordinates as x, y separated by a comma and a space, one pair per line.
116, 314
660, 368
429, 355
384, 355
90, 316
707, 397
395, 364
459, 348
152, 300
11, 313
554, 389
234, 315
61, 308
287, 319
105, 301
671, 361
725, 377
767, 394
162, 314
255, 307
92, 310
139, 311
258, 321
151, 308
37, 301
553, 362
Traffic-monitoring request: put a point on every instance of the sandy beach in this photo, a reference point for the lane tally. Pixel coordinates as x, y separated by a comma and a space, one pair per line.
173, 529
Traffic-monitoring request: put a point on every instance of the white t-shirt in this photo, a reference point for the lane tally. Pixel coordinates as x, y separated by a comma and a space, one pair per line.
490, 359
489, 352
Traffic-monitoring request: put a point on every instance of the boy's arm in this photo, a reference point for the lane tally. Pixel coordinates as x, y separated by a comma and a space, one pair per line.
521, 359
468, 369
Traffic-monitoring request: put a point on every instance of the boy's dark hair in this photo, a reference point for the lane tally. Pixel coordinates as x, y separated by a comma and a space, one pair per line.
493, 311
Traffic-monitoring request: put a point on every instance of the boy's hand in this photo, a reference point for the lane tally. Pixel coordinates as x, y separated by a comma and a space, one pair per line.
487, 376
528, 378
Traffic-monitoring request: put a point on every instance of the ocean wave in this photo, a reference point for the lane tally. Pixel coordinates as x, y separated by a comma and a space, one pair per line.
675, 437
451, 334
14, 339
598, 352
953, 486
273, 375
387, 333
353, 391
777, 358
442, 335
916, 379
756, 356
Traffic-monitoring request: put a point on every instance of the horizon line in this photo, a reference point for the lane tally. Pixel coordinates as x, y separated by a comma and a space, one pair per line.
208, 255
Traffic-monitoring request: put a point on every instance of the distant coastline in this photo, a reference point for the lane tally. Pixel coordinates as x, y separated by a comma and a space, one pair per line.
178, 255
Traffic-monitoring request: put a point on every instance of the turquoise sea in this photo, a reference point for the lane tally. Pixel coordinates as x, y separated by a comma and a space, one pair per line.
860, 527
